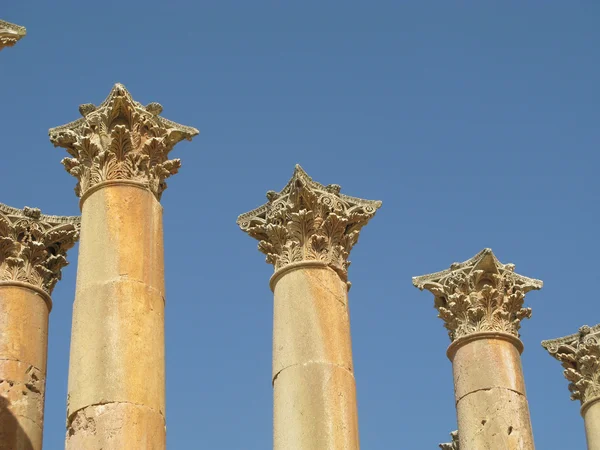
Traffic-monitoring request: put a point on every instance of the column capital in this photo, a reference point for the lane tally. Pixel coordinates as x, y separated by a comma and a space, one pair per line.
10, 34
451, 445
479, 295
33, 246
579, 354
120, 140
307, 221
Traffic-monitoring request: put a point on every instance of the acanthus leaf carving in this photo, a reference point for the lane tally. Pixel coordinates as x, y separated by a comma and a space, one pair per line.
308, 221
33, 246
121, 140
579, 354
10, 34
454, 445
479, 295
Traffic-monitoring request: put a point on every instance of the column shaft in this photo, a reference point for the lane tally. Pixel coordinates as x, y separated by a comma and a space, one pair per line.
313, 380
591, 417
490, 395
117, 370
23, 353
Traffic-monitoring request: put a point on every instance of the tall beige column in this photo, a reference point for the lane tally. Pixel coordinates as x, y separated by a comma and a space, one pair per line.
119, 155
454, 445
481, 303
32, 253
579, 354
10, 34
307, 231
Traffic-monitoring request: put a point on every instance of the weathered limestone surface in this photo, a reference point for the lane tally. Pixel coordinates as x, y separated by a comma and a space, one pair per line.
454, 445
10, 34
579, 354
117, 371
591, 417
313, 376
307, 231
481, 303
32, 253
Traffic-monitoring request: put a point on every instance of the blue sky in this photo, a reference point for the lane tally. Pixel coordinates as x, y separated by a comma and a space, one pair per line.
474, 122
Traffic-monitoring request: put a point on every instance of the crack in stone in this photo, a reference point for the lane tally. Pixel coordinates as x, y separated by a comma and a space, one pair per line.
325, 286
22, 362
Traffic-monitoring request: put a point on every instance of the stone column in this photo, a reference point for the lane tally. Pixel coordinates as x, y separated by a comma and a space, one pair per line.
481, 303
119, 154
307, 231
454, 445
32, 253
580, 356
10, 34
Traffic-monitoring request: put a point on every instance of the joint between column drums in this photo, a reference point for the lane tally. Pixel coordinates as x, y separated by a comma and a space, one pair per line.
73, 415
489, 389
454, 346
45, 296
307, 363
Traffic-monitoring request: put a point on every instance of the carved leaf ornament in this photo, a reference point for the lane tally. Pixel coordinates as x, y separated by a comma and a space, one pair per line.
479, 295
121, 140
580, 357
10, 34
451, 445
307, 221
33, 246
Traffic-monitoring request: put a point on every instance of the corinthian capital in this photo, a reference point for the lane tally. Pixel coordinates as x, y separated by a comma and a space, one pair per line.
10, 34
451, 445
579, 354
478, 295
307, 221
33, 246
120, 140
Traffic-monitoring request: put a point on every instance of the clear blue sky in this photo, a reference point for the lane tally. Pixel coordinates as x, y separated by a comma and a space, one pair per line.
476, 123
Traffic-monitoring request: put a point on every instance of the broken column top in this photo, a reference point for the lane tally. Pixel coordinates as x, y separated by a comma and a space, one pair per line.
308, 221
10, 34
579, 354
33, 246
120, 140
479, 295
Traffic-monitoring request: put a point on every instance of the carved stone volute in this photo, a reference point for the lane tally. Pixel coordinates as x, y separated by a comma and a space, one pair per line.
580, 356
479, 295
10, 34
308, 221
33, 246
121, 140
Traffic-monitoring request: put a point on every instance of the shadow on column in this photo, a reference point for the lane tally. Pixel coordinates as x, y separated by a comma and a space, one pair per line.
12, 435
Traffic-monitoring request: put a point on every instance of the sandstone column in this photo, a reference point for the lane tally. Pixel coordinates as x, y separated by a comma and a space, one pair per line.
307, 231
32, 253
119, 154
481, 303
451, 445
10, 34
580, 356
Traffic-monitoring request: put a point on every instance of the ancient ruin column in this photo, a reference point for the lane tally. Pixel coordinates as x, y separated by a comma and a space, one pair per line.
32, 253
454, 445
10, 34
481, 303
307, 231
580, 356
119, 154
